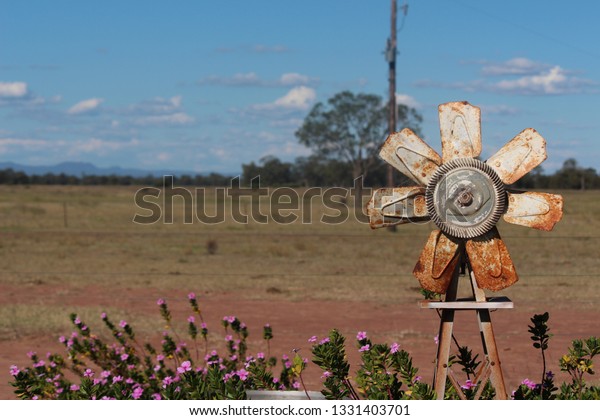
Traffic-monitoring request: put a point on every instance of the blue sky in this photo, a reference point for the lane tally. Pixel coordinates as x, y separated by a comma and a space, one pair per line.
209, 85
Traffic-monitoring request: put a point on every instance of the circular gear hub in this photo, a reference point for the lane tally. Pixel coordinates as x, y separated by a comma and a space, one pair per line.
465, 198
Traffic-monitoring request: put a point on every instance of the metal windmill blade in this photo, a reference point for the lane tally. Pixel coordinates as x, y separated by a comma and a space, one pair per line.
464, 196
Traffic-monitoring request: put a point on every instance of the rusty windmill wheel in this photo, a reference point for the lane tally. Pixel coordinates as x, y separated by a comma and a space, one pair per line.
464, 196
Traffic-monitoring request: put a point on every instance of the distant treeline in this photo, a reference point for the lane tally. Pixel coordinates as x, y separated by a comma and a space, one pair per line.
303, 172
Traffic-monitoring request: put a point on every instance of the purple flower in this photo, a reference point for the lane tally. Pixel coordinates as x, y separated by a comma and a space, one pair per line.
39, 364
77, 321
117, 379
312, 339
88, 373
549, 375
30, 354
156, 396
260, 355
124, 357
191, 319
103, 315
296, 385
326, 374
228, 338
361, 335
160, 357
14, 371
203, 325
394, 348
62, 339
167, 381
122, 324
105, 374
468, 384
74, 387
191, 296
325, 340
160, 302
364, 348
185, 367
137, 393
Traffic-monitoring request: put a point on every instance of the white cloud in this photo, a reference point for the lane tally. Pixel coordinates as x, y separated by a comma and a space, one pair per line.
252, 79
514, 66
97, 146
13, 89
407, 100
85, 106
288, 79
178, 118
554, 81
298, 98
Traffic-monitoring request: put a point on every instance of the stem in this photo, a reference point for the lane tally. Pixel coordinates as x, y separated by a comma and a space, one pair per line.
543, 372
351, 389
303, 386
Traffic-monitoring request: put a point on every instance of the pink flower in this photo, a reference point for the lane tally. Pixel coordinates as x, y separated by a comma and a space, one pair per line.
312, 339
105, 374
468, 384
160, 302
191, 296
203, 325
103, 315
260, 355
156, 396
242, 374
167, 381
160, 357
62, 339
137, 393
364, 348
88, 373
191, 319
326, 374
122, 324
39, 364
74, 387
325, 340
14, 371
117, 379
228, 338
530, 384
296, 385
361, 335
394, 348
437, 339
77, 321
124, 357
185, 367
30, 354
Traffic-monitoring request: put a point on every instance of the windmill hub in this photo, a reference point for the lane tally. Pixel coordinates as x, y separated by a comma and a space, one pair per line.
465, 198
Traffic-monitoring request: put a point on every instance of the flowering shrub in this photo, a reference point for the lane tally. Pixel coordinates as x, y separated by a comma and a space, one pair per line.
577, 362
129, 369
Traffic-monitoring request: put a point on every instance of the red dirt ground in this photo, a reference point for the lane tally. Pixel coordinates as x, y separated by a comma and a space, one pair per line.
294, 322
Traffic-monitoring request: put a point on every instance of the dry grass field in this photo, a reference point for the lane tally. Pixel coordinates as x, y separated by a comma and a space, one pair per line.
76, 249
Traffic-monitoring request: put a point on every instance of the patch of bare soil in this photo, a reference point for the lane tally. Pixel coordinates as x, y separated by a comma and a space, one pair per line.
295, 322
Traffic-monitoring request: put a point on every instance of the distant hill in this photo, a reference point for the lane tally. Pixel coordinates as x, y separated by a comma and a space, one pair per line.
83, 168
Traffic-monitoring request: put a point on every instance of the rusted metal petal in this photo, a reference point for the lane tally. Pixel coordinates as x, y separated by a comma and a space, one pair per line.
437, 262
490, 261
409, 154
534, 209
394, 206
519, 156
460, 128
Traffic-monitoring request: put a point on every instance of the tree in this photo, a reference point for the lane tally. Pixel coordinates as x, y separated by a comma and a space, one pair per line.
352, 127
